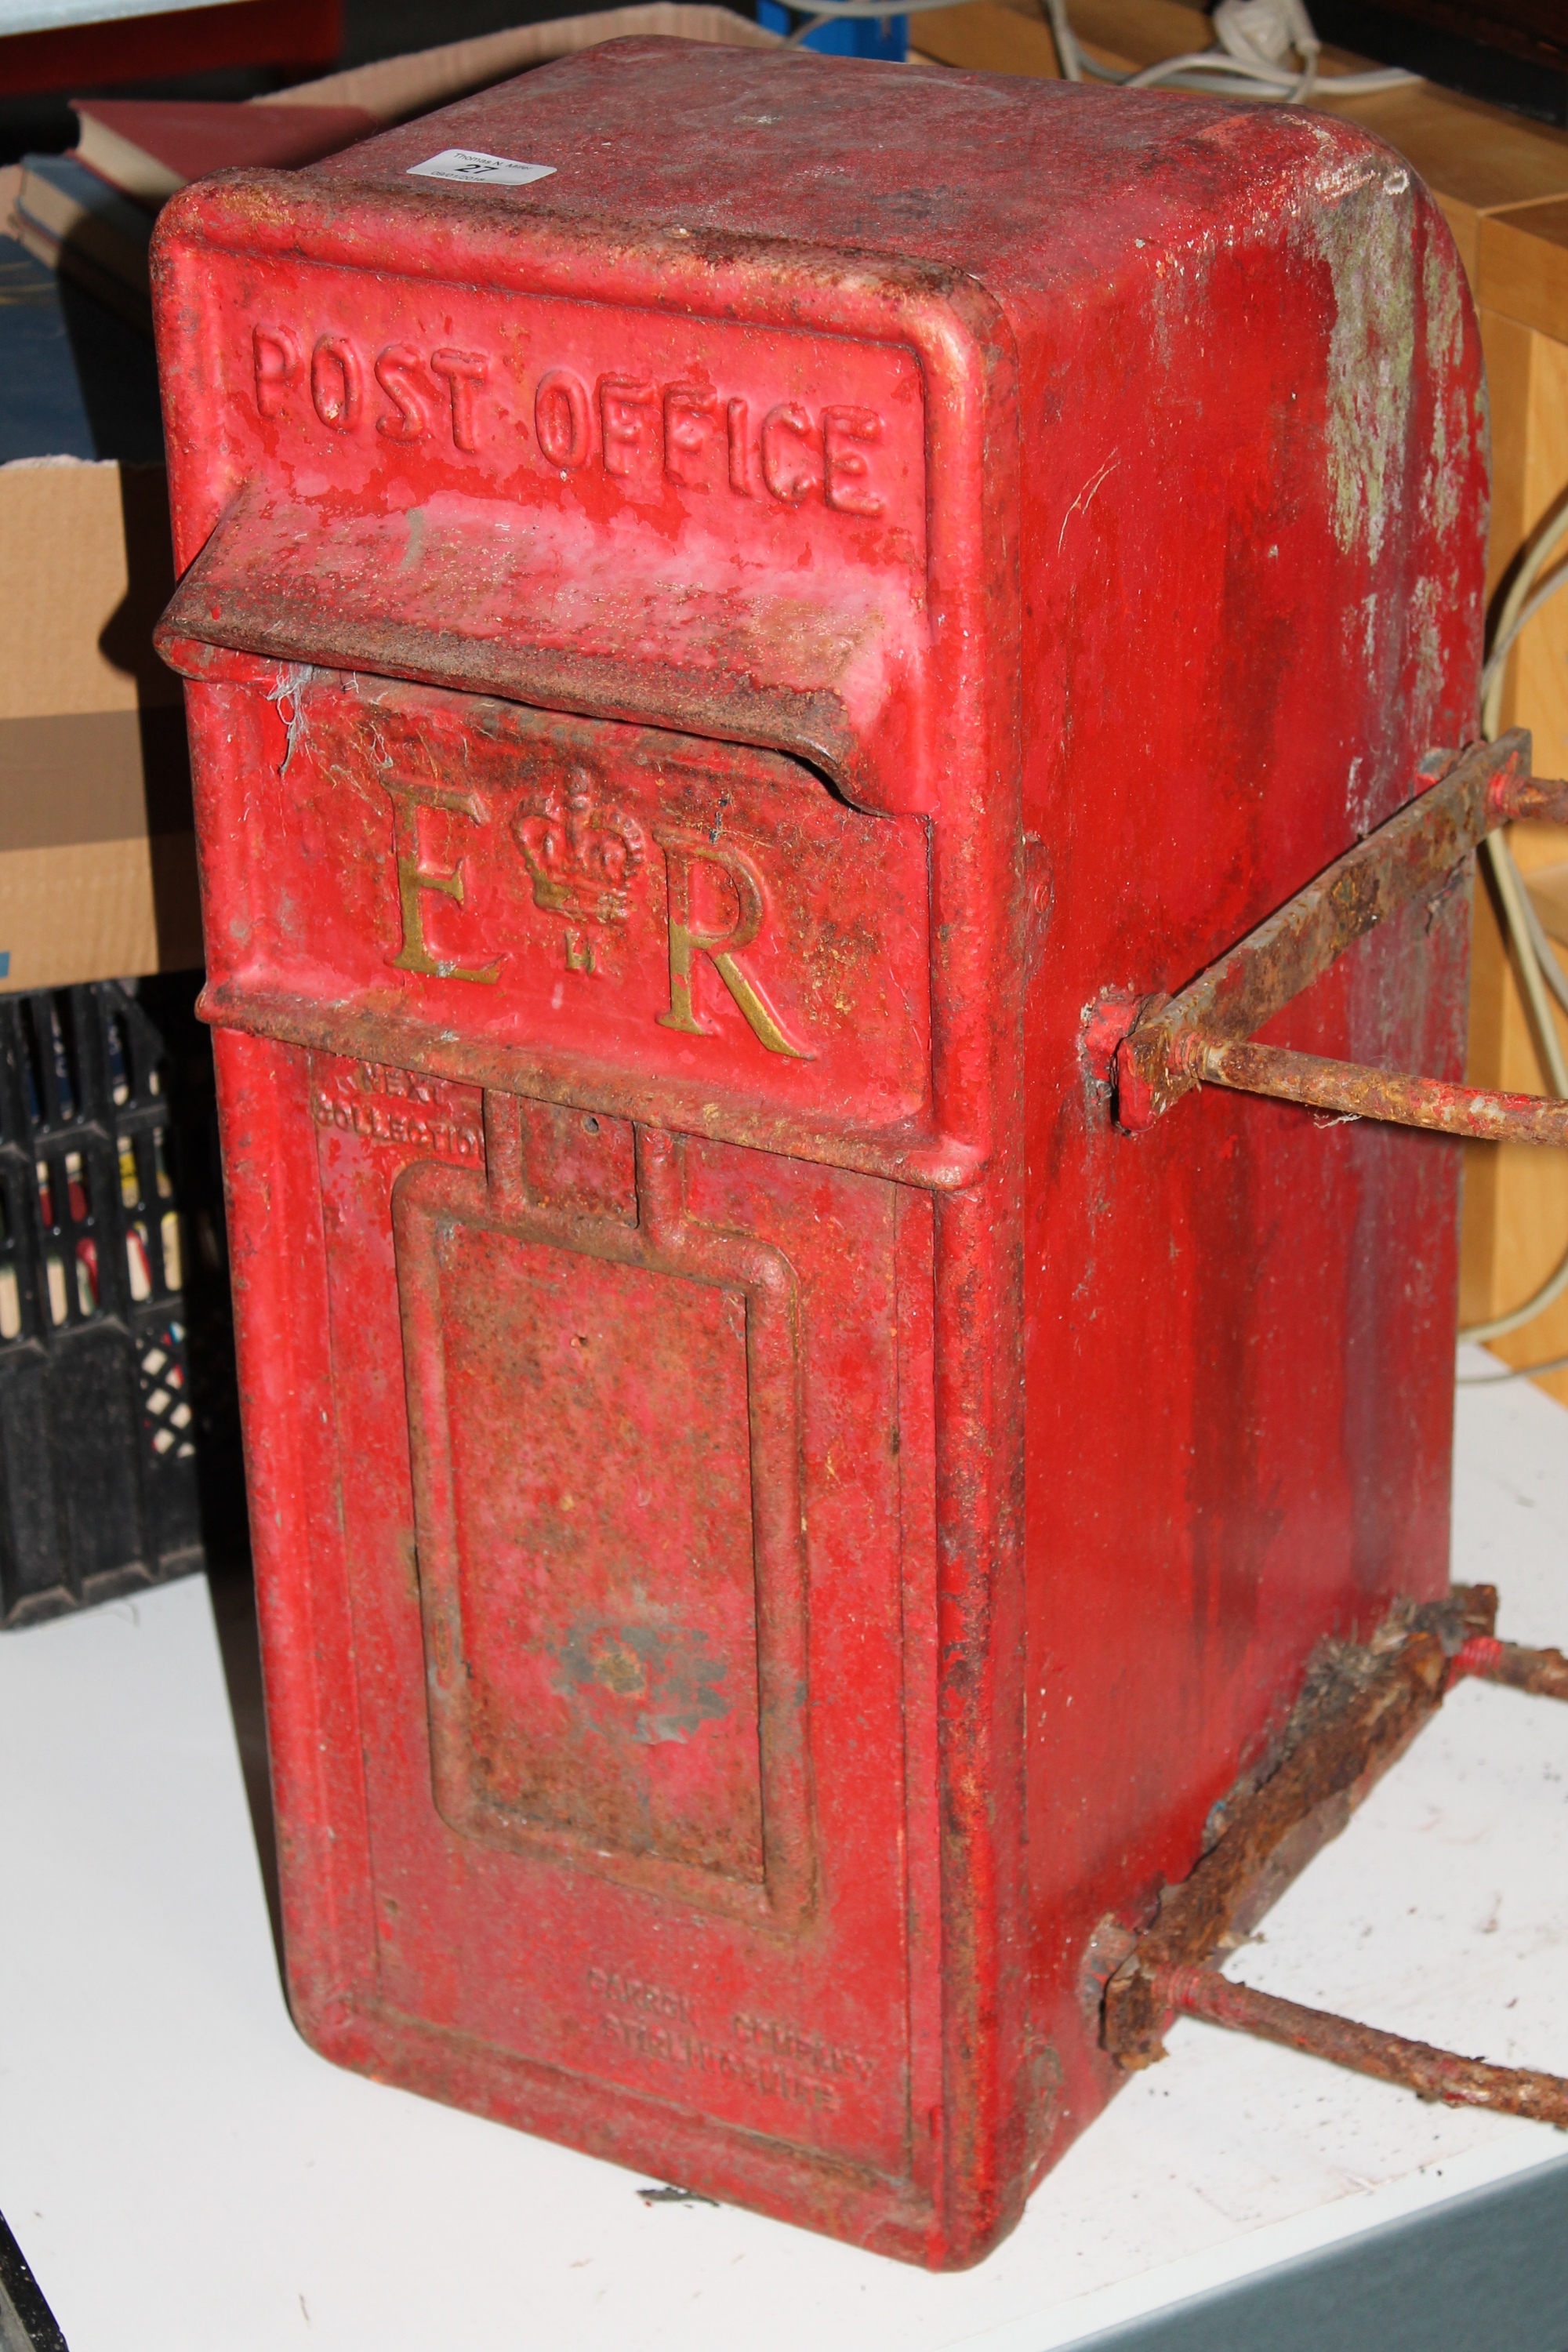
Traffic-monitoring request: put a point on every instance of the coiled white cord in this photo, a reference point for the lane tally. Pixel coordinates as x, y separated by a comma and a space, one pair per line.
1540, 973
1250, 58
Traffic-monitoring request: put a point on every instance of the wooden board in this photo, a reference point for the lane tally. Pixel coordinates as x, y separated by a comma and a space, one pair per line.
1516, 1204
1524, 264
98, 874
983, 37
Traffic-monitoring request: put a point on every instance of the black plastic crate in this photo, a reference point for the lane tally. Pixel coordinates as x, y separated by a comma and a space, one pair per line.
98, 1453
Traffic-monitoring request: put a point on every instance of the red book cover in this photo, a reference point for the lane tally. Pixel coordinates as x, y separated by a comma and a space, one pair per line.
148, 147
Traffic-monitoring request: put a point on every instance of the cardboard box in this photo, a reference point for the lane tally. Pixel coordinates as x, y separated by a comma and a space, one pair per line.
1516, 1203
98, 874
393, 89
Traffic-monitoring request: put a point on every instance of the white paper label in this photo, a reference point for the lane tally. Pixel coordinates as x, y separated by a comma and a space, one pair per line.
472, 163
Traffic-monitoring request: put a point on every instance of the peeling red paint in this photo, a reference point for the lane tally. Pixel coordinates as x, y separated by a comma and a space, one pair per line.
771, 1519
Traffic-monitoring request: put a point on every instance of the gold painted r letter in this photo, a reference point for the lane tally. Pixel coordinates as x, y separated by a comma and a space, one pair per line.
683, 852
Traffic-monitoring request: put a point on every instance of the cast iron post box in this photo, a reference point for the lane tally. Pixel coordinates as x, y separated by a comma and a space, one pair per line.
716, 663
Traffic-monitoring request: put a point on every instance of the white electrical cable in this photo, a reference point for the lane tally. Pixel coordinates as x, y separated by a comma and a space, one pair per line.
1519, 605
1518, 1372
1067, 53
1552, 972
1250, 58
1255, 37
1291, 89
1493, 670
1514, 900
1537, 965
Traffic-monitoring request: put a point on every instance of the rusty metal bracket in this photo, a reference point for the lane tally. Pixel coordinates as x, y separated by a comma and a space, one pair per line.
1343, 1737
1201, 1037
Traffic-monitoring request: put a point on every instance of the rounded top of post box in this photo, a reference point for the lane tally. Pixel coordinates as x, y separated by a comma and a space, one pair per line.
1020, 180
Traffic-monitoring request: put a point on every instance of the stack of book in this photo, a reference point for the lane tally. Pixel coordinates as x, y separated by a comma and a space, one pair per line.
90, 214
75, 380
97, 859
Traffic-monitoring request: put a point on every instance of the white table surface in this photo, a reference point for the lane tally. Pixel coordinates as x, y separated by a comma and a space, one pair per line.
185, 2174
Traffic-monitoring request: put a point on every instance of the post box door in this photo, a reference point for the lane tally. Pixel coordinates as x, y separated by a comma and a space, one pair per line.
631, 1423
634, 1448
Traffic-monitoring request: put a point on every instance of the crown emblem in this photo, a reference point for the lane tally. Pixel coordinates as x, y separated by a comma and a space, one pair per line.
583, 858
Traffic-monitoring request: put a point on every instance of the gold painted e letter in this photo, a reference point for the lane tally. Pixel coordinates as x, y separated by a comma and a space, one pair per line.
414, 878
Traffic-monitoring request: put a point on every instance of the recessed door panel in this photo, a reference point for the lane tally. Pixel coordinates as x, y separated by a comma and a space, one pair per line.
605, 1444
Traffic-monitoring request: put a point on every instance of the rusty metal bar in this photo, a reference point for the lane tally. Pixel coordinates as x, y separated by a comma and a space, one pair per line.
1533, 799
1417, 2066
1178, 1042
1544, 1672
1363, 1714
1348, 1740
1350, 1090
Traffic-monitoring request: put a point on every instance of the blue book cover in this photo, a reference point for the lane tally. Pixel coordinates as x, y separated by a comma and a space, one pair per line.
66, 198
75, 380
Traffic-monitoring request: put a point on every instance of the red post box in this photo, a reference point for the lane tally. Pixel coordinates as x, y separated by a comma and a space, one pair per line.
737, 607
